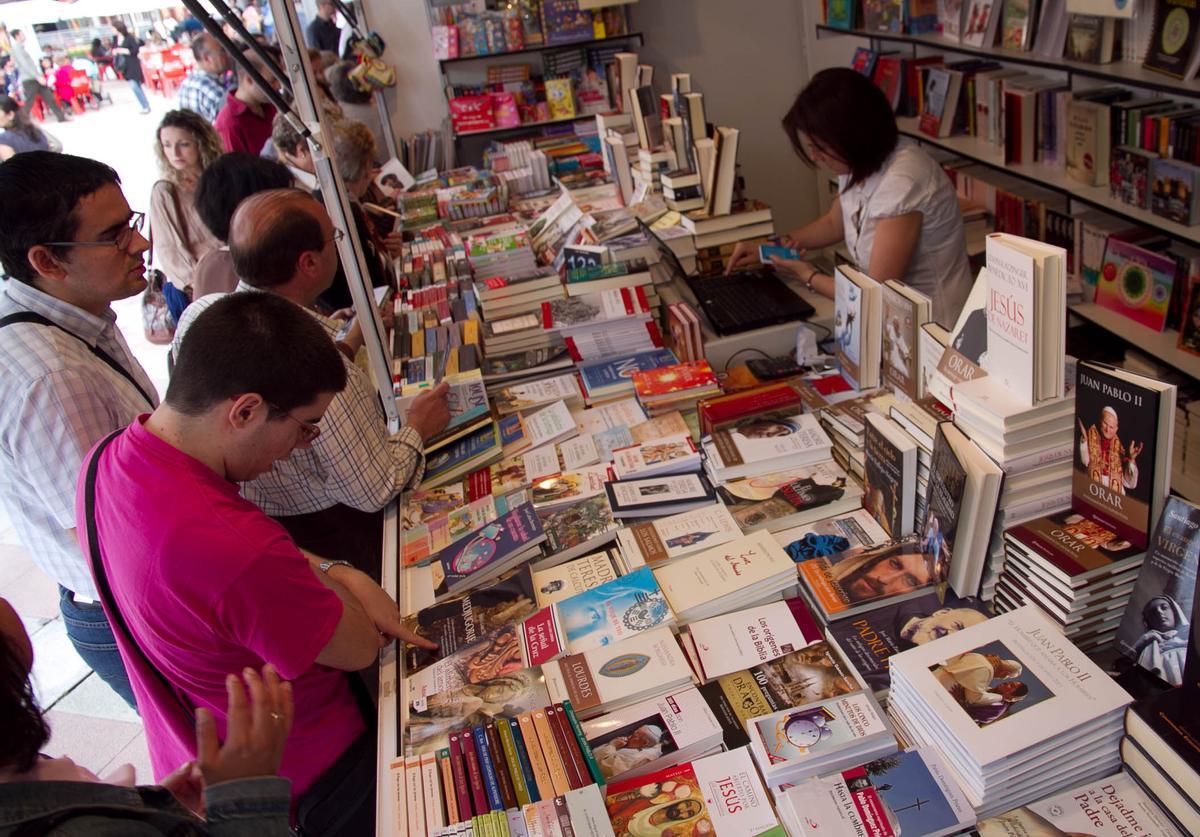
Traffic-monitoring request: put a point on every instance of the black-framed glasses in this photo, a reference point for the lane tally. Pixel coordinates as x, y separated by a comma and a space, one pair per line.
337, 236
308, 430
121, 240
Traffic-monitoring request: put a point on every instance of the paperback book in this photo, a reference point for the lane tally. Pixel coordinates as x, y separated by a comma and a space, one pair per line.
577, 529
659, 496
742, 572
788, 498
765, 445
654, 542
489, 551
612, 611
745, 638
857, 581
566, 580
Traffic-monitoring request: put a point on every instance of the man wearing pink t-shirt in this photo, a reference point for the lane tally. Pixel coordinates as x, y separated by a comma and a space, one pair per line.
206, 582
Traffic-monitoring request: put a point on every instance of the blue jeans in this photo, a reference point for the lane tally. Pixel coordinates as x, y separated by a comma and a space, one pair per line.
177, 300
140, 93
92, 636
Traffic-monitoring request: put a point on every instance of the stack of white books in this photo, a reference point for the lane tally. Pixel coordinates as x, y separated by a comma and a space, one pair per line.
767, 445
1033, 446
750, 570
1015, 709
656, 542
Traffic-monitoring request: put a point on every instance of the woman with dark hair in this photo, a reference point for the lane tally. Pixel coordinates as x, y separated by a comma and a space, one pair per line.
185, 146
232, 783
128, 47
231, 178
17, 133
896, 209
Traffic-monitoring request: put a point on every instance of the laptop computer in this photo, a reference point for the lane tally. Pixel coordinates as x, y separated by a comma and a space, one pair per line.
743, 301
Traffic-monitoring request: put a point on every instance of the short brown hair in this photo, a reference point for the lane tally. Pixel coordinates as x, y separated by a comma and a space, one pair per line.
269, 233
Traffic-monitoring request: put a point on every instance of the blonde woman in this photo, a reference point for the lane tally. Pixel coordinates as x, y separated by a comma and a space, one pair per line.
185, 146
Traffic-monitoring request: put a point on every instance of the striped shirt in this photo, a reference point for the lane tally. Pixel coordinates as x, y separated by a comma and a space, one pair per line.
355, 461
202, 93
57, 400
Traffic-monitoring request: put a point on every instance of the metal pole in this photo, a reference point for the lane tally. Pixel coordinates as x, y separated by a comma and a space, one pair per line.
232, 18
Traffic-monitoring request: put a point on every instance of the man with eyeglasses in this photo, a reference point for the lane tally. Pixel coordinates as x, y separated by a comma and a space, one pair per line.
207, 584
329, 495
71, 244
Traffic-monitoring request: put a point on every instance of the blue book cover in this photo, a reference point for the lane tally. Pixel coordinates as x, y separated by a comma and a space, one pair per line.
455, 454
522, 757
618, 371
491, 785
488, 546
923, 803
511, 429
467, 398
613, 611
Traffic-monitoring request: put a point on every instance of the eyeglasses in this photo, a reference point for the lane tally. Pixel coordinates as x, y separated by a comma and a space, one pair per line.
121, 240
337, 236
308, 430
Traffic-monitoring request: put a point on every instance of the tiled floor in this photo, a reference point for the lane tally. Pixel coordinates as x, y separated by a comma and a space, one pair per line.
88, 721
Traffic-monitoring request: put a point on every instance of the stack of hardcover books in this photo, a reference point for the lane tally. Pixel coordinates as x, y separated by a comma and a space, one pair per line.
751, 570
612, 378
1013, 707
677, 387
1080, 565
1111, 805
602, 325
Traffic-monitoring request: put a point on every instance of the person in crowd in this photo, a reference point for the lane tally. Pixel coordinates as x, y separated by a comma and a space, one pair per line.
254, 377
99, 54
319, 62
188, 27
203, 91
62, 79
155, 40
354, 149
323, 32
17, 133
185, 146
32, 88
232, 782
227, 182
329, 495
244, 122
357, 104
128, 47
10, 83
896, 209
72, 246
294, 150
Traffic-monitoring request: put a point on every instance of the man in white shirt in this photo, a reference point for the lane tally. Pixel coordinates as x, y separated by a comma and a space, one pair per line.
72, 246
328, 496
31, 79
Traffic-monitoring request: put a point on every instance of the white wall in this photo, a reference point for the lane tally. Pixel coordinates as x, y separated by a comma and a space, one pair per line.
417, 101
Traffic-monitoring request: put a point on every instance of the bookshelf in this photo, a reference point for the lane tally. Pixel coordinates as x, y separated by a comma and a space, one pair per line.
1080, 75
631, 36
525, 126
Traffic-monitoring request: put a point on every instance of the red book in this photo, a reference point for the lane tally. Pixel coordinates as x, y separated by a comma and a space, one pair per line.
564, 742
656, 383
507, 792
474, 774
719, 412
461, 792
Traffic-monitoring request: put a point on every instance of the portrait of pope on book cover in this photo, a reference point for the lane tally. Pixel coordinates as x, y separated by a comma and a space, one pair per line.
990, 683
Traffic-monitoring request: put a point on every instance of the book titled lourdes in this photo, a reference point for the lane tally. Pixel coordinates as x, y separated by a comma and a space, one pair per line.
1154, 631
654, 542
610, 677
1026, 316
487, 552
1120, 477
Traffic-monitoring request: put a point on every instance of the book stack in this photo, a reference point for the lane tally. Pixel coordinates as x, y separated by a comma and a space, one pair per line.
761, 445
890, 475
1160, 754
436, 332
682, 190
523, 398
847, 583
962, 693
882, 794
650, 167
658, 496
504, 297
502, 251
858, 327
656, 542
435, 518
829, 735
607, 277
677, 387
602, 325
1080, 565
847, 424
747, 571
715, 235
577, 529
725, 644
611, 378
777, 500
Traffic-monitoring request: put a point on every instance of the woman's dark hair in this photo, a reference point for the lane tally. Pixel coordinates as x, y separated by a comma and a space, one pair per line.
120, 26
23, 730
848, 116
98, 48
234, 348
232, 178
343, 87
21, 123
39, 193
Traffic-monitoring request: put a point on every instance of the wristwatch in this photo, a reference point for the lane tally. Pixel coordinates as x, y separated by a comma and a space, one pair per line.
325, 566
808, 283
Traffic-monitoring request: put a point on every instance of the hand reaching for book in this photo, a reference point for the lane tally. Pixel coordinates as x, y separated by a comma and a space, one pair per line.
379, 607
430, 413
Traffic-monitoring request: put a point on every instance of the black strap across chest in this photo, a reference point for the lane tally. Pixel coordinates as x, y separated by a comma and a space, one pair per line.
38, 319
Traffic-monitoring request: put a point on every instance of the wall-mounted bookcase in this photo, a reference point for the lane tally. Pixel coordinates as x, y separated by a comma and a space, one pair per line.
1080, 75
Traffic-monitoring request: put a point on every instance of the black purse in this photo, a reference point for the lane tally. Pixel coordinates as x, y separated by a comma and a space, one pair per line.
342, 799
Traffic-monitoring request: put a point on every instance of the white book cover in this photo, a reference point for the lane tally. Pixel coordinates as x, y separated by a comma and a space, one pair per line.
1010, 311
541, 463
631, 741
672, 455
656, 541
727, 569
579, 452
624, 413
1104, 808
585, 809
656, 491
831, 535
647, 663
745, 638
549, 424
734, 794
798, 740
520, 397
566, 580
568, 488
1015, 665
770, 440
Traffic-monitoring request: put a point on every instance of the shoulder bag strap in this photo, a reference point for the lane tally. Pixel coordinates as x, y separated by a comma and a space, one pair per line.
105, 590
38, 319
183, 226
